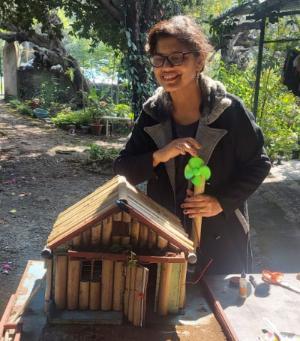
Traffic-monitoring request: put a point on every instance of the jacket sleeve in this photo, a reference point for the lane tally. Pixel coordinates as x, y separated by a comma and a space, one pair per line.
252, 164
135, 161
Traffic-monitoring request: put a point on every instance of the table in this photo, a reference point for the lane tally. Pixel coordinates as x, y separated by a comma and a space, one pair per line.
111, 119
267, 302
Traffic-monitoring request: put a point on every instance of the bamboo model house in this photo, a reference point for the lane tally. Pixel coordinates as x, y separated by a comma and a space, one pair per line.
109, 250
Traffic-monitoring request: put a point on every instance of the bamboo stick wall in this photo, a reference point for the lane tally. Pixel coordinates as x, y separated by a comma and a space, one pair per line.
114, 285
102, 235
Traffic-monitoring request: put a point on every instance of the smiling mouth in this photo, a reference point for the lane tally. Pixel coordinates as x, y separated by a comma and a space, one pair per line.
170, 77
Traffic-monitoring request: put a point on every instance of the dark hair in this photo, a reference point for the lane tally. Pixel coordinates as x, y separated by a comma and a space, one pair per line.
185, 30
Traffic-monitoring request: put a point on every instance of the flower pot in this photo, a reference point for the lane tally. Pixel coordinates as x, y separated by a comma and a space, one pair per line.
72, 129
96, 128
41, 113
84, 129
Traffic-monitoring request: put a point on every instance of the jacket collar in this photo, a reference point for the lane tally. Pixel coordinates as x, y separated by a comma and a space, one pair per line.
214, 98
159, 107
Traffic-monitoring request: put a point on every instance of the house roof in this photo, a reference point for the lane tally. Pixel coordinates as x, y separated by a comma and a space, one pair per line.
115, 195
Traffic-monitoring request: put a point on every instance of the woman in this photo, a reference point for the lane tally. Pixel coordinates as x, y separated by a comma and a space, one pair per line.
191, 114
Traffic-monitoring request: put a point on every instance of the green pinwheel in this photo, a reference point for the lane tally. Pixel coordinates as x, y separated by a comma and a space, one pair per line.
196, 171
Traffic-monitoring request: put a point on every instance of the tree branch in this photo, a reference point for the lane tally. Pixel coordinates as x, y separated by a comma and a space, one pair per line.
41, 40
113, 11
245, 26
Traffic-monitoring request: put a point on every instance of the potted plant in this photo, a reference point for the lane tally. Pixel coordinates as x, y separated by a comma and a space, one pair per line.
97, 111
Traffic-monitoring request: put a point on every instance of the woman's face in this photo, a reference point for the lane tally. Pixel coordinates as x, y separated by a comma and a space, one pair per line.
174, 78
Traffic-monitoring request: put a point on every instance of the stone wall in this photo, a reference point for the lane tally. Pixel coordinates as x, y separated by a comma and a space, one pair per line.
54, 84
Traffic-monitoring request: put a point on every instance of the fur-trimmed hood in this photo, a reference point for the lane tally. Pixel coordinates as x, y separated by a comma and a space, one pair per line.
214, 97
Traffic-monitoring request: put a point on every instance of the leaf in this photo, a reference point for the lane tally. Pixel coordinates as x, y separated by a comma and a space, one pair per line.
197, 171
195, 162
205, 171
188, 172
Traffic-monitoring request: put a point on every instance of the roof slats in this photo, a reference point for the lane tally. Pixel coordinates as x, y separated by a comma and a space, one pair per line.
95, 207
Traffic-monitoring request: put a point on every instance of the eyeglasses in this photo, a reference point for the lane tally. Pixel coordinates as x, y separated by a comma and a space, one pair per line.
174, 59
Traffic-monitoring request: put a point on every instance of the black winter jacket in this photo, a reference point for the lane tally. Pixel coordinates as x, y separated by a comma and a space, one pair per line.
232, 146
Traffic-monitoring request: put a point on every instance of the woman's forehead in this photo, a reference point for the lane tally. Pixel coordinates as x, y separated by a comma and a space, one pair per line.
167, 45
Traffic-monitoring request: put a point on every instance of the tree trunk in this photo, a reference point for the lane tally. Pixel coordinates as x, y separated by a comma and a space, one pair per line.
134, 27
140, 16
49, 51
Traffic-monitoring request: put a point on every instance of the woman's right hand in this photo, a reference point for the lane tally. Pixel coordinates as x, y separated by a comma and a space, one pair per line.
177, 147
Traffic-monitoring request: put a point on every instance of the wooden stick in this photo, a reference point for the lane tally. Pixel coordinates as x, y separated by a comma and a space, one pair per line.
94, 300
152, 239
164, 288
126, 292
131, 292
144, 300
84, 291
6, 314
143, 236
96, 235
182, 281
135, 231
197, 221
60, 286
48, 265
118, 286
157, 285
172, 258
107, 284
139, 296
126, 217
161, 243
117, 216
86, 238
107, 230
73, 284
76, 241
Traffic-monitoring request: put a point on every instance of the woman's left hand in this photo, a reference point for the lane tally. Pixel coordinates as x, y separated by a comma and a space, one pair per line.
200, 205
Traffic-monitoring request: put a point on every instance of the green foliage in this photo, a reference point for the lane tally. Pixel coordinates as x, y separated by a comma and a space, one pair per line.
237, 81
70, 73
98, 153
67, 116
278, 112
278, 115
14, 103
122, 110
50, 92
95, 106
22, 107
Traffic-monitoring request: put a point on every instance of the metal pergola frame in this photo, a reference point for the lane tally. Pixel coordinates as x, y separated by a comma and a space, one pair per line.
261, 12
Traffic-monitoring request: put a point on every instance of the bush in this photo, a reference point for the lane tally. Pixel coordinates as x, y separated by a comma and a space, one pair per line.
22, 107
278, 113
98, 153
14, 103
67, 116
122, 110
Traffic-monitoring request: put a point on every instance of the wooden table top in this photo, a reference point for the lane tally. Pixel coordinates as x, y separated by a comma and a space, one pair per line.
267, 303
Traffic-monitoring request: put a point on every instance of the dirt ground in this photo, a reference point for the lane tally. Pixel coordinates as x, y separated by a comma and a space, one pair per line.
42, 171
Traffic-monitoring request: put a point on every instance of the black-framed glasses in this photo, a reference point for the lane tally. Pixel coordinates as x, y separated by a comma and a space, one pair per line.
174, 59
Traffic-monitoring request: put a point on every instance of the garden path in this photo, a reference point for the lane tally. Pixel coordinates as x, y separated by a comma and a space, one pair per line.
42, 171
